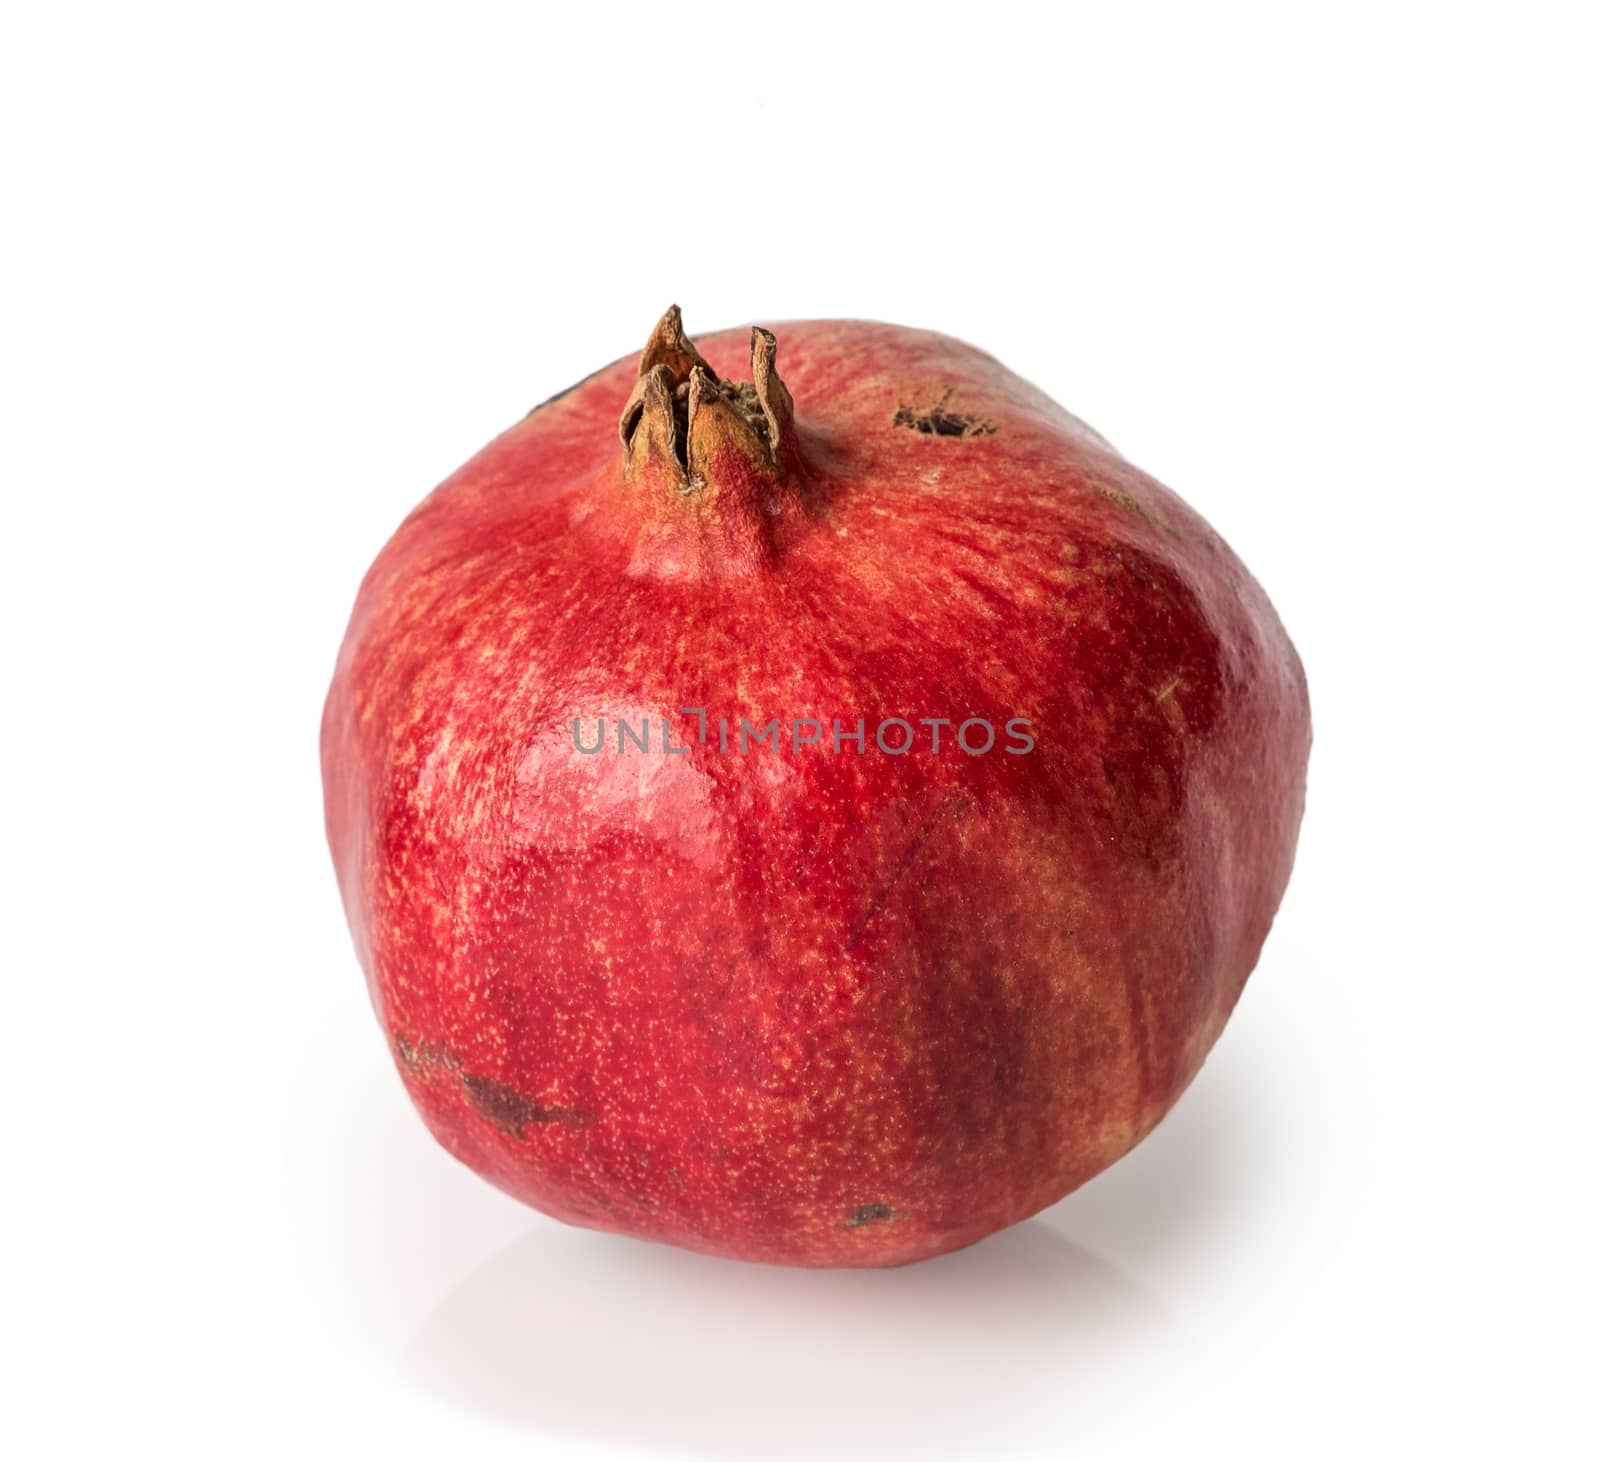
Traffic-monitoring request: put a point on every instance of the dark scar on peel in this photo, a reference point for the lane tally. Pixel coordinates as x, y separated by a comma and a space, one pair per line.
502, 1105
940, 421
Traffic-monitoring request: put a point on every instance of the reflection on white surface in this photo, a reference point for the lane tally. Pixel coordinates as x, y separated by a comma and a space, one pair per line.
1038, 1335
631, 1343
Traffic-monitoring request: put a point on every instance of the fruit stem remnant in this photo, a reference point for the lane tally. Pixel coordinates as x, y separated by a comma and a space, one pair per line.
684, 420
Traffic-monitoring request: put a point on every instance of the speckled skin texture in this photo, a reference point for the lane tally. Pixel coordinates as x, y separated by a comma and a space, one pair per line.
809, 1007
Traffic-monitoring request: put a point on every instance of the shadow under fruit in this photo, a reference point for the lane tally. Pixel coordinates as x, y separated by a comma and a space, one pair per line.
692, 897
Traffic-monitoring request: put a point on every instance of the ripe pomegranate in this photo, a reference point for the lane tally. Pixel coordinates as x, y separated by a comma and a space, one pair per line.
824, 827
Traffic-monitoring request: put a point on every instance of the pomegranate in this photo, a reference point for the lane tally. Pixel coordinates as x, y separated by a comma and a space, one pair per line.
823, 827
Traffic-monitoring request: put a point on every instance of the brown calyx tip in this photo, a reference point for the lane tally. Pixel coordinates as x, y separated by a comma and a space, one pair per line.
669, 346
777, 405
682, 416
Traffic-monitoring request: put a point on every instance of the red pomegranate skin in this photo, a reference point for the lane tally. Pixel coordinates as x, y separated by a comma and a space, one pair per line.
807, 1007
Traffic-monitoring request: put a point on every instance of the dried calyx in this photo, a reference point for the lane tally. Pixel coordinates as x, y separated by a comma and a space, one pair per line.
683, 419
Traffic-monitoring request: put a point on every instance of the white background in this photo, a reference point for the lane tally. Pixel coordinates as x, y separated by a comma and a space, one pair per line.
271, 272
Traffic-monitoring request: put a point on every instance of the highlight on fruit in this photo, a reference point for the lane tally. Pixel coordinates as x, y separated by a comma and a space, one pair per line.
742, 977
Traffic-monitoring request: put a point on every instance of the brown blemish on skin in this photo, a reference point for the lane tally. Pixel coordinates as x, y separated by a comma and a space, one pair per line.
940, 421
510, 1111
1130, 504
507, 1108
422, 1056
1124, 500
869, 1213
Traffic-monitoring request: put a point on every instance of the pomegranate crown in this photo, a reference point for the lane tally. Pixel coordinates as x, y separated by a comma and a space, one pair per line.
681, 417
